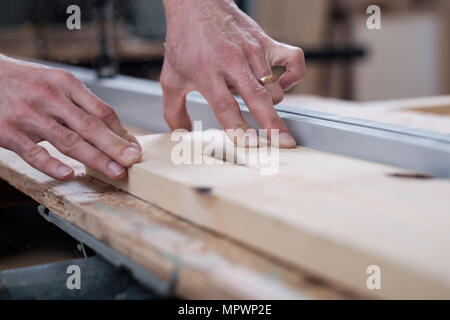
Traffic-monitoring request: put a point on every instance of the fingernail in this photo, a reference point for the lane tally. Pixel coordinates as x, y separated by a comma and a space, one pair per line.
286, 140
116, 168
131, 153
64, 171
134, 144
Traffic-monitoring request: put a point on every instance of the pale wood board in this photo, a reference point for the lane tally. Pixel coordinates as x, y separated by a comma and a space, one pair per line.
331, 215
207, 266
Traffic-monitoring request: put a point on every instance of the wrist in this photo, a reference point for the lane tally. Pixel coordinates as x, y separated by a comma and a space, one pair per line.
178, 9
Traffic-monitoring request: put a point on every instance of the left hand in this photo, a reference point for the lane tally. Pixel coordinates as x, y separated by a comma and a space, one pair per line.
212, 46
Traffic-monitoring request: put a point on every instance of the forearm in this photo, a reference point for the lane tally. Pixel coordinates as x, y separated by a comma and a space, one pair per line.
195, 9
173, 5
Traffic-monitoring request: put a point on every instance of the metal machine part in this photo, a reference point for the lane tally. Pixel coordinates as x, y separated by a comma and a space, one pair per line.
160, 287
106, 64
98, 280
42, 262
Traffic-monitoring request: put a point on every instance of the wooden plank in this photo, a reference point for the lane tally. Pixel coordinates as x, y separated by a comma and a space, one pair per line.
207, 266
331, 215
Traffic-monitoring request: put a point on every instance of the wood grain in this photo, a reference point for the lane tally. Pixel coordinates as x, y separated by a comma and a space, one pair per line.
206, 265
333, 216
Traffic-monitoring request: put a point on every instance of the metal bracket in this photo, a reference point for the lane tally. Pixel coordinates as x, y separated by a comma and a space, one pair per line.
158, 285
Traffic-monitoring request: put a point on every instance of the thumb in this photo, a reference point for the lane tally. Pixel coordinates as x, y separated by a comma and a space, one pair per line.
293, 59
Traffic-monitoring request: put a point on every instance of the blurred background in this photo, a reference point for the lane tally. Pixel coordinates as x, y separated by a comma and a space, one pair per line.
408, 57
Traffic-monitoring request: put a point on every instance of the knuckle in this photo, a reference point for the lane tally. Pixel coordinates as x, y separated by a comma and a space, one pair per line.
299, 55
276, 122
277, 97
44, 91
300, 61
165, 81
68, 139
169, 83
62, 75
224, 104
37, 90
34, 154
106, 113
89, 125
260, 93
22, 112
264, 39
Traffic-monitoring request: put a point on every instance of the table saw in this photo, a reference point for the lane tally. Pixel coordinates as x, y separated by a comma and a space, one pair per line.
388, 161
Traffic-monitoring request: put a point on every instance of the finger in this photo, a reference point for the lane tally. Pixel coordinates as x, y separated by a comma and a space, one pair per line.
260, 104
95, 131
86, 100
174, 91
73, 145
293, 59
228, 113
39, 158
175, 112
261, 68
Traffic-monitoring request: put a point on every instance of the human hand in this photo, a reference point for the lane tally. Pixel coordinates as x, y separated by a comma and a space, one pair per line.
212, 46
38, 103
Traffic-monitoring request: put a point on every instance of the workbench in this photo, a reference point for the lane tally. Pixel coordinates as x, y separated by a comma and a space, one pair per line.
171, 255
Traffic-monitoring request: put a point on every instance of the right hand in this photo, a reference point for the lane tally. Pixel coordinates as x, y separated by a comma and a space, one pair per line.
212, 46
39, 103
